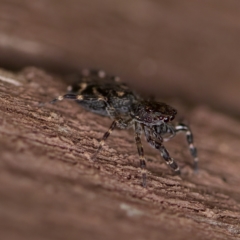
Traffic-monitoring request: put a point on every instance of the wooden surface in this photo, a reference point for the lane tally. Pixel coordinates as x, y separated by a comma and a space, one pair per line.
186, 52
50, 190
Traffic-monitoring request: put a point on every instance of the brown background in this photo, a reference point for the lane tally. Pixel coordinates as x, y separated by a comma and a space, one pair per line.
183, 51
165, 48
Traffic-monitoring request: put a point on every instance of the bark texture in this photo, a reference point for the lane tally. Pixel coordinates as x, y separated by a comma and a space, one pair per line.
50, 190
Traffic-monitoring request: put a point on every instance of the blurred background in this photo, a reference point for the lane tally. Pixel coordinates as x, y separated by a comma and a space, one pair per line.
188, 50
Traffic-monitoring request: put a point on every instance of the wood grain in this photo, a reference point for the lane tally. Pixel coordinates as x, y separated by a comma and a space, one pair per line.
50, 190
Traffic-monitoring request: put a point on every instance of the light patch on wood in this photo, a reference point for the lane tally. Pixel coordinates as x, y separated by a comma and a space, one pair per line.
117, 79
69, 88
101, 74
10, 80
85, 72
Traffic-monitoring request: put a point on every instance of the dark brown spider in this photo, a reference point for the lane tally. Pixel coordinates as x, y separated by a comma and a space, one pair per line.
107, 96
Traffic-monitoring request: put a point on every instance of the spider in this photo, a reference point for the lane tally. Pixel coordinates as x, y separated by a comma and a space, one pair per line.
108, 96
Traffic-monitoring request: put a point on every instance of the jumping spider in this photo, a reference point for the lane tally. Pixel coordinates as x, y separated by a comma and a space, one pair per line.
108, 96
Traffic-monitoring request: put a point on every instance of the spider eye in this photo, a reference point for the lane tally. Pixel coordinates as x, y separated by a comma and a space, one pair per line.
172, 117
166, 119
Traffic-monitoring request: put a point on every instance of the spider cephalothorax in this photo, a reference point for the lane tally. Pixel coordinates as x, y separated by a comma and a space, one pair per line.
153, 113
108, 96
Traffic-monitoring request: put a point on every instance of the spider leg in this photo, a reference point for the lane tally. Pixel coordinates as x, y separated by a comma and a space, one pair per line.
77, 97
118, 122
170, 161
157, 144
163, 132
183, 127
104, 138
138, 132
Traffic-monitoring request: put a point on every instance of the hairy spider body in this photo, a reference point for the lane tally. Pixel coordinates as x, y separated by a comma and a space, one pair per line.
108, 96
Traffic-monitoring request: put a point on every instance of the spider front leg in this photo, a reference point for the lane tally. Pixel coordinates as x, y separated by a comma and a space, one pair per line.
138, 132
104, 138
90, 98
78, 97
183, 127
118, 122
157, 144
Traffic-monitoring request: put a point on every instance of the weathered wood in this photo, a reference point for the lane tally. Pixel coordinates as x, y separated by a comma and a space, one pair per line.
50, 190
